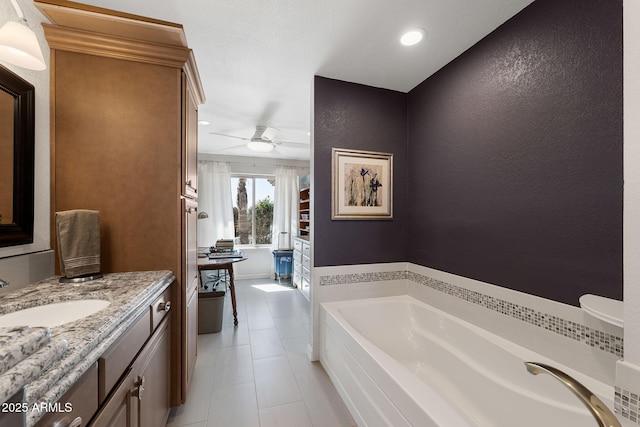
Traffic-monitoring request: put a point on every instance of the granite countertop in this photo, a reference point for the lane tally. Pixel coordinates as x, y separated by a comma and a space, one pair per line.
69, 350
26, 353
20, 342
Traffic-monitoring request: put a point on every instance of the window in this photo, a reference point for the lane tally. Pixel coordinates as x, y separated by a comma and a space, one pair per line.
252, 209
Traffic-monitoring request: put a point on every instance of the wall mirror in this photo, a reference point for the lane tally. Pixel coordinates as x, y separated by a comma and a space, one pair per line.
17, 144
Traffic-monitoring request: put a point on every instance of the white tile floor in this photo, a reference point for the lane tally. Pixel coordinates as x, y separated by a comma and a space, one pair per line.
257, 374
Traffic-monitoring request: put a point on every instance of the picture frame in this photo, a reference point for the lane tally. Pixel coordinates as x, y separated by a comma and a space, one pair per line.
362, 185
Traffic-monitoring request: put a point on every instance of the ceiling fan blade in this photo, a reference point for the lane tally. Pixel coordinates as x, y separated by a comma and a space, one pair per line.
292, 144
229, 136
233, 147
267, 114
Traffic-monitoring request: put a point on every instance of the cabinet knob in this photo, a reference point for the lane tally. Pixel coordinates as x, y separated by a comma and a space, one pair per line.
139, 388
164, 306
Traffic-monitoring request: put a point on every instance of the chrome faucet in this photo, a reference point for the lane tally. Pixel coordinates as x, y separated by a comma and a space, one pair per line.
597, 408
3, 283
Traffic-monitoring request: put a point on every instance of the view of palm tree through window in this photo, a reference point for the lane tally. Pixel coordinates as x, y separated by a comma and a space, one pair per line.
252, 209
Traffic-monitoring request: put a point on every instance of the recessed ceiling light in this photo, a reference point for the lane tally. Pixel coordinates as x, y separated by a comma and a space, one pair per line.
204, 122
412, 37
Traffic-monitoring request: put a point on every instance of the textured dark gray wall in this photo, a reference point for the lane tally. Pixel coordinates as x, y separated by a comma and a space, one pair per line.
515, 155
353, 116
514, 158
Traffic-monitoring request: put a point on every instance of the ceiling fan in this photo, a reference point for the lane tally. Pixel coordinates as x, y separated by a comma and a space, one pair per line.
262, 140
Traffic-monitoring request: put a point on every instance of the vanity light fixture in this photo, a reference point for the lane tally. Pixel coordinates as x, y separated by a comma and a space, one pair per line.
19, 44
412, 37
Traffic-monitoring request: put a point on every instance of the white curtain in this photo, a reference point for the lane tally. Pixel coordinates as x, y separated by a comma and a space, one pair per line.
285, 206
214, 198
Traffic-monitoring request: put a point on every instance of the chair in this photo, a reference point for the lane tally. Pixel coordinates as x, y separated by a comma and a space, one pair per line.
210, 279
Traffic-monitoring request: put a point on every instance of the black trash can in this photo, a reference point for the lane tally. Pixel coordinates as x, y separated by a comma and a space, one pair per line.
210, 309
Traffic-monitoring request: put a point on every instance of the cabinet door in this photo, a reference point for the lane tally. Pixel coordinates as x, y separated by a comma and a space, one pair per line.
120, 410
191, 282
305, 284
190, 242
192, 334
190, 140
151, 385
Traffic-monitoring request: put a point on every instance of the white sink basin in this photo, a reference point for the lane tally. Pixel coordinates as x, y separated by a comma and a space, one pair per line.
54, 314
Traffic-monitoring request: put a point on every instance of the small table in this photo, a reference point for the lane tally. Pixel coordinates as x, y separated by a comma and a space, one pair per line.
223, 263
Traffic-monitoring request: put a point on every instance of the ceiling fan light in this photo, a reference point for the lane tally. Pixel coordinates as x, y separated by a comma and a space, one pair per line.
260, 146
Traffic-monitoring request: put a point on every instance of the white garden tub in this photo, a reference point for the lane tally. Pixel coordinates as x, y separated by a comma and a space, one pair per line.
399, 362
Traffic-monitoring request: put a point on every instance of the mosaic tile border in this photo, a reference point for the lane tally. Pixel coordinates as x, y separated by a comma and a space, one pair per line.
345, 279
594, 338
627, 405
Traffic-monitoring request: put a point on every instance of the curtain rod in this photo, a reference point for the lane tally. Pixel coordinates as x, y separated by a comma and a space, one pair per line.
256, 164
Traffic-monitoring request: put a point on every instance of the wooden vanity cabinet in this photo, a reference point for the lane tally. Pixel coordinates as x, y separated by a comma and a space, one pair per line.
125, 92
140, 397
129, 385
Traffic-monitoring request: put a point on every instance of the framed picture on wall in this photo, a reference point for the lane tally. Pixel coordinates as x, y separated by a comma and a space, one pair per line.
362, 185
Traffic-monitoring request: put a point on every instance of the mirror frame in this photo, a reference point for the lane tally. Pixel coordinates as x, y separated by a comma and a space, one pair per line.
21, 230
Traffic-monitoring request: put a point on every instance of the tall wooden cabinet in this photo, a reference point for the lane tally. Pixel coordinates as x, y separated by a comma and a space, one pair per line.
125, 92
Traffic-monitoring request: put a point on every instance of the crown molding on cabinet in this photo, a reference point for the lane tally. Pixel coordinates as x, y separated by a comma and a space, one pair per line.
81, 41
